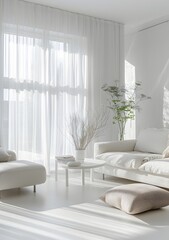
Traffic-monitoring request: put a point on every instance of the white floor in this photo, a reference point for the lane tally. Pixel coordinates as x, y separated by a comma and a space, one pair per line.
48, 214
54, 194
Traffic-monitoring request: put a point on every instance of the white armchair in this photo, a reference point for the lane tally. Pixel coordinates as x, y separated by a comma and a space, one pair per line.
19, 173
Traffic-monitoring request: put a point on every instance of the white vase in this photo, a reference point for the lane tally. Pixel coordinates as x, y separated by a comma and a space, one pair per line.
80, 155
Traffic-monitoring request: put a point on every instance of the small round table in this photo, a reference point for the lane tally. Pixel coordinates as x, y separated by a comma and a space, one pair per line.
62, 161
89, 163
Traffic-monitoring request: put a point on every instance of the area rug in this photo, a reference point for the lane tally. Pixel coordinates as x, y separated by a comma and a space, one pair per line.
87, 221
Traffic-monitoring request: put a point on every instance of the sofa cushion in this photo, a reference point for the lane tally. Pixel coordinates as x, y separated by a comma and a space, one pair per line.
166, 152
159, 167
127, 160
136, 198
152, 140
4, 156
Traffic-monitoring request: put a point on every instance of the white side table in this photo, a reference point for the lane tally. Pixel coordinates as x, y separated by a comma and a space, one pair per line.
89, 163
62, 161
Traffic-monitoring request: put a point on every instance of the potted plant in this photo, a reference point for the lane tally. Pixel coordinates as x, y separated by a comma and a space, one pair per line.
123, 103
85, 129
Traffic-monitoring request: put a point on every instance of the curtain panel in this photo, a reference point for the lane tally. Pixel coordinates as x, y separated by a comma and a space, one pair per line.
52, 63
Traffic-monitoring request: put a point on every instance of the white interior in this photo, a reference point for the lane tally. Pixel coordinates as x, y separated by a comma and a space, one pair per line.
145, 41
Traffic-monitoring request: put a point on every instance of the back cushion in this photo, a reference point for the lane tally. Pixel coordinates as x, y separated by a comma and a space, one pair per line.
152, 140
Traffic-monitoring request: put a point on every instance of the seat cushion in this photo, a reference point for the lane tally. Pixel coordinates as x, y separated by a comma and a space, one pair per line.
20, 174
152, 140
127, 160
136, 198
159, 167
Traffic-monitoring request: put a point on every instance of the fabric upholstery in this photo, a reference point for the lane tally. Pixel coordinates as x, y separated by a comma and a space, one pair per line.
21, 173
128, 160
152, 140
4, 156
136, 198
151, 157
159, 167
12, 155
115, 146
166, 152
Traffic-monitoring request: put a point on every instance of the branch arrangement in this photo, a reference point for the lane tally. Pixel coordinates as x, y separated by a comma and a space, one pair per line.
84, 129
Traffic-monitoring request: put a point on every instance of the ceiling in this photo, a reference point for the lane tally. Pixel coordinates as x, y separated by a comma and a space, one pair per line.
135, 14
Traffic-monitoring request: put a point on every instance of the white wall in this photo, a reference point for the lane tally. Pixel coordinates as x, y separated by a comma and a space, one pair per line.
148, 51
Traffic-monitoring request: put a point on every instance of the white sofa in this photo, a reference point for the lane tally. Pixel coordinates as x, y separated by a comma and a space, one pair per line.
140, 160
20, 173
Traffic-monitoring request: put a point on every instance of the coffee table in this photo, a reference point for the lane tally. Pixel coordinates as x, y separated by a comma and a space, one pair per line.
62, 160
89, 163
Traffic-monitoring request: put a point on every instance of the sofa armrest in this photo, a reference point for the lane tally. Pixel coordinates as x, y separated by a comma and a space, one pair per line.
12, 155
116, 146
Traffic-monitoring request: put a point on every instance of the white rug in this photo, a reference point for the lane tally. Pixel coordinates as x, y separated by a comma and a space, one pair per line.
83, 221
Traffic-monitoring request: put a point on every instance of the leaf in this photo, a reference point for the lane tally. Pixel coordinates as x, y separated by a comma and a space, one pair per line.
123, 102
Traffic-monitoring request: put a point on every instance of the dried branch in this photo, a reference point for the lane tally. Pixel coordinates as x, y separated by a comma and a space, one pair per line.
84, 129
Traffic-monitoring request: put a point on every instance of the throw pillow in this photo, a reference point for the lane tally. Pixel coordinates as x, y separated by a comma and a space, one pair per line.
136, 198
153, 157
4, 156
166, 153
152, 140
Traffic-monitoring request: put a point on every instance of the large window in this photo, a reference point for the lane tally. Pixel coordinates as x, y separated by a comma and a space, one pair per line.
52, 63
44, 81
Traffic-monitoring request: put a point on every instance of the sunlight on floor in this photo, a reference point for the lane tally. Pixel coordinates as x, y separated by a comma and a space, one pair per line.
58, 212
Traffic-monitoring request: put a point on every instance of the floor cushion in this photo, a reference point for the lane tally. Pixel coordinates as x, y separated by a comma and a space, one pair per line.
136, 198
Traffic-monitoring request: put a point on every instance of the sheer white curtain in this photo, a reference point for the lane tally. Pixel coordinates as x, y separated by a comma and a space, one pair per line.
52, 63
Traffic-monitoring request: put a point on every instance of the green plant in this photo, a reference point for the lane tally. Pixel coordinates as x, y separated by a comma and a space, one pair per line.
123, 103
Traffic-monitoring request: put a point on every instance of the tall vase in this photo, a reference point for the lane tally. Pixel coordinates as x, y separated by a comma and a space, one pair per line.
80, 155
122, 126
121, 136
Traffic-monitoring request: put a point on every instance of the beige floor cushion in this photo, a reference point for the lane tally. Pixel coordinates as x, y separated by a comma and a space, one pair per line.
136, 198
